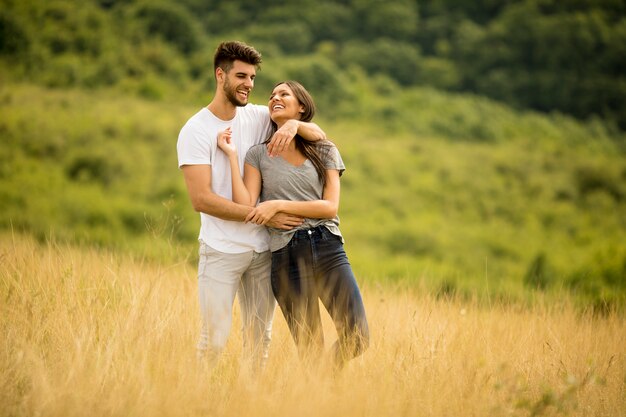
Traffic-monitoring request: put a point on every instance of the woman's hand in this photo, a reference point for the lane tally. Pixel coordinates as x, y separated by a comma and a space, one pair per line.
224, 141
264, 212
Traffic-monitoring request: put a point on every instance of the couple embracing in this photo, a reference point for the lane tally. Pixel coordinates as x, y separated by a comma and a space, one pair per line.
287, 248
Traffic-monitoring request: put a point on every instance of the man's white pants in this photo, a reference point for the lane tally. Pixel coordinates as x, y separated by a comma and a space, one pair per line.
220, 277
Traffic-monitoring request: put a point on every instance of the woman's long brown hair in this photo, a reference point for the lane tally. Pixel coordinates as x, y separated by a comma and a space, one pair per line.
313, 151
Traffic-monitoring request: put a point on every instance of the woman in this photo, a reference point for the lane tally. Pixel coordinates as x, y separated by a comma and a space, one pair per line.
308, 262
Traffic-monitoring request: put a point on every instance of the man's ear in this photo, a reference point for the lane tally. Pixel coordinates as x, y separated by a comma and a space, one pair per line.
219, 74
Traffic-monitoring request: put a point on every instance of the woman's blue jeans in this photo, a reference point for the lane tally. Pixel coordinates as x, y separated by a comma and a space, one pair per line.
312, 266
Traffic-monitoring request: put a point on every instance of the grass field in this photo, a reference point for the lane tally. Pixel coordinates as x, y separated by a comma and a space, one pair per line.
489, 240
87, 332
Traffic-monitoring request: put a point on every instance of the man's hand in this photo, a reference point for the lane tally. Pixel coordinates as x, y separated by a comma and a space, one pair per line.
284, 221
282, 137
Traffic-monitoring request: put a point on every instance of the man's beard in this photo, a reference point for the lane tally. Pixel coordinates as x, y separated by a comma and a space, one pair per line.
231, 95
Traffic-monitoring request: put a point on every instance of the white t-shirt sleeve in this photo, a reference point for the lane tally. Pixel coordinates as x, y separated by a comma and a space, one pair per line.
194, 146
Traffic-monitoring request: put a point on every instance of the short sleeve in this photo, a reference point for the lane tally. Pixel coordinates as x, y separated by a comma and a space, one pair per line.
253, 157
193, 146
332, 158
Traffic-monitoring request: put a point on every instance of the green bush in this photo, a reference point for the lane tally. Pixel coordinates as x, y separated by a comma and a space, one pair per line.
289, 38
538, 276
380, 56
14, 38
590, 179
172, 23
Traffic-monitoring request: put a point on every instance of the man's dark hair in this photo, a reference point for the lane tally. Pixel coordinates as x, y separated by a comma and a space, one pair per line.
229, 52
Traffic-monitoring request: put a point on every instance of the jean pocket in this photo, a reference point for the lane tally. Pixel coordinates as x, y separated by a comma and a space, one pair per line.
328, 235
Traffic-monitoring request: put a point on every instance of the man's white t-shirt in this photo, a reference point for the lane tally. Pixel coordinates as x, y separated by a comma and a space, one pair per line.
197, 145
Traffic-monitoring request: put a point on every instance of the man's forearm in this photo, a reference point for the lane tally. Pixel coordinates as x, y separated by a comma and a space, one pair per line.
222, 208
310, 131
228, 210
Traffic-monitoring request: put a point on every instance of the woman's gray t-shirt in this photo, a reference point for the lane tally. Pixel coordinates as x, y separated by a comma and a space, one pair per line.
282, 180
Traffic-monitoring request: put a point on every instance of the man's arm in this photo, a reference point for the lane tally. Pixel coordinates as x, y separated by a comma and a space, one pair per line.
326, 208
203, 199
280, 140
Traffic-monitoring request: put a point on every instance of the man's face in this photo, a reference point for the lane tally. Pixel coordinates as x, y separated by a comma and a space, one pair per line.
238, 83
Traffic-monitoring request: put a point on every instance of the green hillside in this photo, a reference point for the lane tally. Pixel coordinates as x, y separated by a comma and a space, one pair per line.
540, 207
445, 188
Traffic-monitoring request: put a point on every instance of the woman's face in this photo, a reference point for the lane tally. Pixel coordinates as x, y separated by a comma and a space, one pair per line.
284, 105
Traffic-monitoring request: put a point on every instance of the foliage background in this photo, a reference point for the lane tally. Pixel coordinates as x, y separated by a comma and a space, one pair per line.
484, 142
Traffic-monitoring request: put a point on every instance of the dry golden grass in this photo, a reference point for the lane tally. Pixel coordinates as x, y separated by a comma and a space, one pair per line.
84, 332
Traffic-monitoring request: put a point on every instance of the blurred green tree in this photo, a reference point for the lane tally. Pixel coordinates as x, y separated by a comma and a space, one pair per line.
171, 22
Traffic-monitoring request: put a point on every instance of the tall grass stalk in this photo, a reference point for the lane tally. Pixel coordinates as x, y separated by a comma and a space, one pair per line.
86, 332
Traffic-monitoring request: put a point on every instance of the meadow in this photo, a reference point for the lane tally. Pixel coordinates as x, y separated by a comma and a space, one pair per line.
87, 331
483, 206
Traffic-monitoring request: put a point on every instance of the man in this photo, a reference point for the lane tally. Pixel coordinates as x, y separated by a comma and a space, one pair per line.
234, 256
